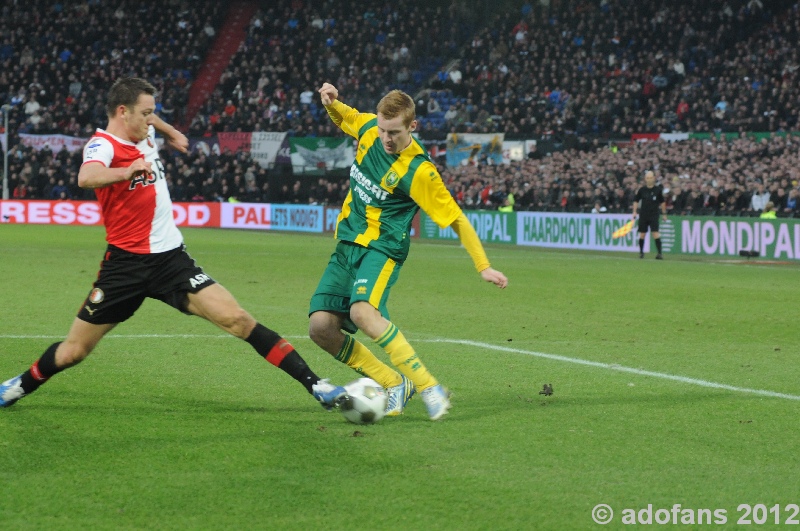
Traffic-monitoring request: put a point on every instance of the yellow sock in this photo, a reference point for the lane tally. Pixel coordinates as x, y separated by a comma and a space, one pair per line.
404, 358
359, 358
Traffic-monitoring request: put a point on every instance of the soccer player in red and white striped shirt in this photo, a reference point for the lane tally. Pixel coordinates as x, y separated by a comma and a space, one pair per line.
146, 256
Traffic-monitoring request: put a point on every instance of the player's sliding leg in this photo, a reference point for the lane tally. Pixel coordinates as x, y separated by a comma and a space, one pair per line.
217, 305
80, 341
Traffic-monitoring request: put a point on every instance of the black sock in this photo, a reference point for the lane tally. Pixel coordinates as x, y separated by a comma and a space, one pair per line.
41, 370
641, 245
282, 354
658, 245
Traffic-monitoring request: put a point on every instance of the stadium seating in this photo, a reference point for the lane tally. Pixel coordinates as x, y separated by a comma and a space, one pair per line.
577, 73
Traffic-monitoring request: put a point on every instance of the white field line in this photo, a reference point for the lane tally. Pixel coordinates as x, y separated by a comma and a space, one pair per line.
619, 368
487, 346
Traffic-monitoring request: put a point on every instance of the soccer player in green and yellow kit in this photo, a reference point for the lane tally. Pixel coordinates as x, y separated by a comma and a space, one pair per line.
390, 180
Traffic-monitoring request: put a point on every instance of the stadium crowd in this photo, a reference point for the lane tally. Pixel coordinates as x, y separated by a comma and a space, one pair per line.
293, 46
613, 68
59, 58
714, 176
582, 72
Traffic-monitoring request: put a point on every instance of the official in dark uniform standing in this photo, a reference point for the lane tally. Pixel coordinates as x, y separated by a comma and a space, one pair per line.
651, 197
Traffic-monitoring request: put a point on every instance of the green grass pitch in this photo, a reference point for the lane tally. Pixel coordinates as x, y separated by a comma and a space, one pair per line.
170, 424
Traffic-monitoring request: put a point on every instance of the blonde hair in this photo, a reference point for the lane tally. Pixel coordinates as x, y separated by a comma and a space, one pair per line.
397, 103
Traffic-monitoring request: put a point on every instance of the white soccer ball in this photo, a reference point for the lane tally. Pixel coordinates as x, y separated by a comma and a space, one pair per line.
365, 403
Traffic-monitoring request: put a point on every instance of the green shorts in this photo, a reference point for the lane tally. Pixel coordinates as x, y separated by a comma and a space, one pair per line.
354, 274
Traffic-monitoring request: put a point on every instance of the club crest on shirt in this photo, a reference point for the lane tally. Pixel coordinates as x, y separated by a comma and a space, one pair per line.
96, 296
390, 181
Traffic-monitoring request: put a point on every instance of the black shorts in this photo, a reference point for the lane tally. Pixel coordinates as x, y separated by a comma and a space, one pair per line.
126, 279
649, 221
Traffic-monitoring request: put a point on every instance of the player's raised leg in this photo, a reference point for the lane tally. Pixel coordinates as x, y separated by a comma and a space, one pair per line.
80, 341
216, 304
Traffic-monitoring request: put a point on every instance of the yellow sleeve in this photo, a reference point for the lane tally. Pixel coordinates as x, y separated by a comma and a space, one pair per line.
347, 118
429, 192
471, 242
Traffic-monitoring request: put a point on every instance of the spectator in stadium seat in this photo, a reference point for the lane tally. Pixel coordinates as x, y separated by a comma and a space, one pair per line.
677, 202
433, 105
759, 199
792, 202
20, 191
60, 191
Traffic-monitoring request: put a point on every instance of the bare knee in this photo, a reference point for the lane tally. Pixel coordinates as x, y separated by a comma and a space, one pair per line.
368, 319
324, 331
360, 313
237, 322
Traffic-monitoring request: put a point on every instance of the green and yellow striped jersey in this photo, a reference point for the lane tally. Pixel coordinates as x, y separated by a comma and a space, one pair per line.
386, 191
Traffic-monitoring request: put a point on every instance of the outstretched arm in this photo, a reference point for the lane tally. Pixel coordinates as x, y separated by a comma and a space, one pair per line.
469, 238
344, 116
174, 138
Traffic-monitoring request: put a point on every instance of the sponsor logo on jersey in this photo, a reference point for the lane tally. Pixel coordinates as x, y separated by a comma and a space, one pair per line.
91, 312
96, 296
364, 187
94, 145
144, 180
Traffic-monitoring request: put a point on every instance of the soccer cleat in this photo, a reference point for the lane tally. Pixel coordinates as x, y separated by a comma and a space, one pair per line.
437, 400
659, 256
329, 395
641, 255
11, 391
399, 395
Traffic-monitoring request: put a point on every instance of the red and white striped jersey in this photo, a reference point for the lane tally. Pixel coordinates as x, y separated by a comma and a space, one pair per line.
137, 213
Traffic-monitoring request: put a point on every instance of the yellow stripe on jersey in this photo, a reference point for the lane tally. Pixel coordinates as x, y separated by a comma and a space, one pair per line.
365, 144
345, 211
373, 226
380, 283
